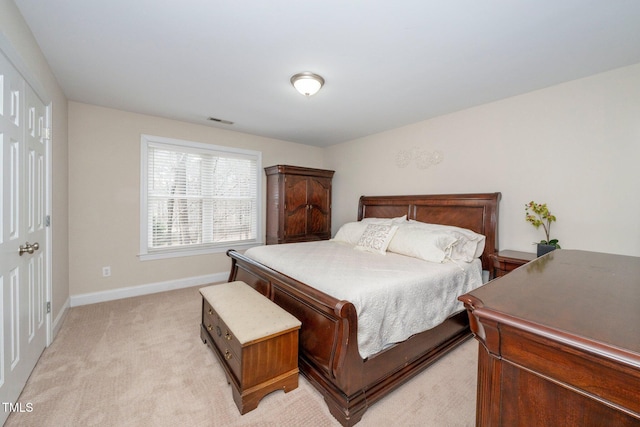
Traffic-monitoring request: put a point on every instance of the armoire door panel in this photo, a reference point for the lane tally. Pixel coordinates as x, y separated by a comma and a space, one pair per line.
318, 193
317, 221
296, 222
296, 192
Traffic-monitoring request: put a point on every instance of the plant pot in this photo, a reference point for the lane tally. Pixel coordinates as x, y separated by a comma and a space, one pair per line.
545, 249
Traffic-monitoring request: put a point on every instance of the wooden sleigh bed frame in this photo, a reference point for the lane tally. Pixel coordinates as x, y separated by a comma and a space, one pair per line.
328, 353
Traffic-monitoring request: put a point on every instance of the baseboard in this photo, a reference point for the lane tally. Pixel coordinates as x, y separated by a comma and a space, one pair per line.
59, 320
151, 288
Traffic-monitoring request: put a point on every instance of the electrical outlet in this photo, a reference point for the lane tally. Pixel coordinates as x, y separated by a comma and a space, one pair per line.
106, 271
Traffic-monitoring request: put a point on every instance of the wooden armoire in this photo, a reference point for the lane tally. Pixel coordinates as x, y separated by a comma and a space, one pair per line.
298, 204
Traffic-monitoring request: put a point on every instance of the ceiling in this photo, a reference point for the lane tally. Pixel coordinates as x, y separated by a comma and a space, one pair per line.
386, 63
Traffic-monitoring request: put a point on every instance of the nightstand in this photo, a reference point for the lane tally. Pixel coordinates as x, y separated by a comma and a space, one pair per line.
506, 261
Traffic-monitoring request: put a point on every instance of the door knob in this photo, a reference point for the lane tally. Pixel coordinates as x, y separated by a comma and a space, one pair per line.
28, 248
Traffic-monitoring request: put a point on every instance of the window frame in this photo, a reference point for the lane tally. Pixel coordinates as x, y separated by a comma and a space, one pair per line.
147, 253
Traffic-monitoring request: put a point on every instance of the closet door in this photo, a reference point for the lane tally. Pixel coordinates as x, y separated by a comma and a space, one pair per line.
22, 233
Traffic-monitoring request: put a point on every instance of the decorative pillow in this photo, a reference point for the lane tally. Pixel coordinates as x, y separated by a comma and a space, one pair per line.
420, 242
350, 232
376, 238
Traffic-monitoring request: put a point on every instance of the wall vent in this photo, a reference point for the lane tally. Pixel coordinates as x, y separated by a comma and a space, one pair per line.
215, 119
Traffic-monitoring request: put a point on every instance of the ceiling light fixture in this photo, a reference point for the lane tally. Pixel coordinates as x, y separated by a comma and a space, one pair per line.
307, 83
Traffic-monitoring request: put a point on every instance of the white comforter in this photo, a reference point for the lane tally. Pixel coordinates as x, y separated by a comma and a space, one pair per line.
395, 296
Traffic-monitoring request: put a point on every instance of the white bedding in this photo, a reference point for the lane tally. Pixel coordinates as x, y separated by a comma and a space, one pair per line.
395, 296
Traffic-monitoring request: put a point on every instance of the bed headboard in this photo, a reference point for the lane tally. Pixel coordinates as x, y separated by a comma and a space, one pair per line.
477, 212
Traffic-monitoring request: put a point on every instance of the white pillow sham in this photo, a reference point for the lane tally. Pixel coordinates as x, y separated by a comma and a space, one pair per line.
350, 232
470, 244
397, 221
422, 243
376, 238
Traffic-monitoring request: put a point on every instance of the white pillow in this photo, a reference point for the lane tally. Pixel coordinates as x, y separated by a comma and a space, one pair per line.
350, 232
467, 250
423, 243
397, 221
376, 238
470, 244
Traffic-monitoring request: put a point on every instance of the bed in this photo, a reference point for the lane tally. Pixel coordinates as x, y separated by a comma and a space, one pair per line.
329, 355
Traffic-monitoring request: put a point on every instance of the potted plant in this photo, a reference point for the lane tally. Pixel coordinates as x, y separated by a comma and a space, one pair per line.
538, 215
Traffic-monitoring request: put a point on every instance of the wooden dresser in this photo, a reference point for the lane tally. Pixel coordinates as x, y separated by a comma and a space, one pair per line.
560, 342
255, 340
298, 204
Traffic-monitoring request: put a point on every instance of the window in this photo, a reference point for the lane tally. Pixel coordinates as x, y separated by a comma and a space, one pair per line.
197, 198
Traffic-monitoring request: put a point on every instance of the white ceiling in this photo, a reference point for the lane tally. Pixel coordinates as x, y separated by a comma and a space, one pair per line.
386, 63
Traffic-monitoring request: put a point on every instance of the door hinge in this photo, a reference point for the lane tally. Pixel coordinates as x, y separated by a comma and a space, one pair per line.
48, 306
47, 221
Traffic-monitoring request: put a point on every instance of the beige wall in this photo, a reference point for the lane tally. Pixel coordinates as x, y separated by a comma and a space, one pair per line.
104, 185
15, 30
575, 146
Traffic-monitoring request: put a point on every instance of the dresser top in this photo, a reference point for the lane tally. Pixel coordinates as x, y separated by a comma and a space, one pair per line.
586, 299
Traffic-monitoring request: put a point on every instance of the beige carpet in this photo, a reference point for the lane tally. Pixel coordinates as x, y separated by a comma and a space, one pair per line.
140, 362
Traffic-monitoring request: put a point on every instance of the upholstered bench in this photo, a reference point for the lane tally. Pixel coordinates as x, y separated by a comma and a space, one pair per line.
255, 340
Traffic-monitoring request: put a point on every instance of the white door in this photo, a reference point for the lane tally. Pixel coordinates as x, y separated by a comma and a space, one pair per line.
23, 121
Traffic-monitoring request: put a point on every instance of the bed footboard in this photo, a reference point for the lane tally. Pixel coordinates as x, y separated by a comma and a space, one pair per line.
328, 337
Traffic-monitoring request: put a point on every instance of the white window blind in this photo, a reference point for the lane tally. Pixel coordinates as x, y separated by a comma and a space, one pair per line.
198, 196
